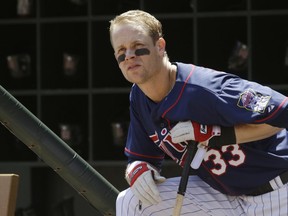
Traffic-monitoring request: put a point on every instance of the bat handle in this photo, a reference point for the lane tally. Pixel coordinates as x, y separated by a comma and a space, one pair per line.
199, 156
191, 151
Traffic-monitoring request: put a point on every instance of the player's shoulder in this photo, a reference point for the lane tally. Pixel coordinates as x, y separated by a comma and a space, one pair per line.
195, 74
135, 89
136, 93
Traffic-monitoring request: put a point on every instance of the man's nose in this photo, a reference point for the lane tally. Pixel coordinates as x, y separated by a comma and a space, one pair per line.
130, 53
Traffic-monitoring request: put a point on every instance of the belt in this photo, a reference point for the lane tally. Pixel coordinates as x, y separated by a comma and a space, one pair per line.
270, 186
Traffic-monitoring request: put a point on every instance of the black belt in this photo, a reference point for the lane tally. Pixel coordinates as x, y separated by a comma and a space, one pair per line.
266, 188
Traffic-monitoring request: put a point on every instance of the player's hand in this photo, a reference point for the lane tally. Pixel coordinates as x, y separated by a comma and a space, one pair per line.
189, 130
142, 178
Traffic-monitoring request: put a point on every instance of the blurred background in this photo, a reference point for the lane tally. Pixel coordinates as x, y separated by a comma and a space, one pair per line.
56, 59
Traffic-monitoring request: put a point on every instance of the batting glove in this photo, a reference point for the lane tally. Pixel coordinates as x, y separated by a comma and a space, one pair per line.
142, 178
189, 130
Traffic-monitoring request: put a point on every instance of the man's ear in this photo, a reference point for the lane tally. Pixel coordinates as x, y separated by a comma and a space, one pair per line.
161, 44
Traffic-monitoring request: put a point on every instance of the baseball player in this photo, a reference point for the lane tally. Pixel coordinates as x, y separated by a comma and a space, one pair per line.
241, 125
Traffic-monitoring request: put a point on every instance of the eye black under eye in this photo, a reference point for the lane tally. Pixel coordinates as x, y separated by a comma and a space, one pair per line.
142, 51
121, 58
138, 52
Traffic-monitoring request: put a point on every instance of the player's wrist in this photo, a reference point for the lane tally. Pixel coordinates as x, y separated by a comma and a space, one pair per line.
227, 137
134, 170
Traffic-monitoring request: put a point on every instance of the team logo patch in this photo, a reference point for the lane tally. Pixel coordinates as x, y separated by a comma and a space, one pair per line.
252, 101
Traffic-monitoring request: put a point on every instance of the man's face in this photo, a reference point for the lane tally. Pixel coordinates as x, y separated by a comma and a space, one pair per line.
135, 52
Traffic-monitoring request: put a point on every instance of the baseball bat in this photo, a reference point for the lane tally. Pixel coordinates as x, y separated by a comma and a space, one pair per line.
191, 151
90, 184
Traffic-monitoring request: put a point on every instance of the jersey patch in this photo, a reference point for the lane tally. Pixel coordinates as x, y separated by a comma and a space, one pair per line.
252, 101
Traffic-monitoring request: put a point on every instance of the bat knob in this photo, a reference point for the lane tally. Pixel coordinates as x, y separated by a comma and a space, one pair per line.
199, 156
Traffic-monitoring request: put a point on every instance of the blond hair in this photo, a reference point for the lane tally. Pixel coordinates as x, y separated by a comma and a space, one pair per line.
139, 18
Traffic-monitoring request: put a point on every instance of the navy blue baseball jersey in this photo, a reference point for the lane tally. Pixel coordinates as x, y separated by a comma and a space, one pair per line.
214, 98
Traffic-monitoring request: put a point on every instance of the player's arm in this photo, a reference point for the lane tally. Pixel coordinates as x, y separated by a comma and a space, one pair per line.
253, 132
144, 159
218, 136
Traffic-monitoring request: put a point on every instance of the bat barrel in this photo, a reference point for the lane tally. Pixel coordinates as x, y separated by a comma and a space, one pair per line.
57, 154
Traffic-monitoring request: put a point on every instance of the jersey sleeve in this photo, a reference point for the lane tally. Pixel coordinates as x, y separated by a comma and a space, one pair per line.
139, 146
244, 101
219, 98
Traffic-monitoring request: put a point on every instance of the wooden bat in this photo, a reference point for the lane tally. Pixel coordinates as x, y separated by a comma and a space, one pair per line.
191, 151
